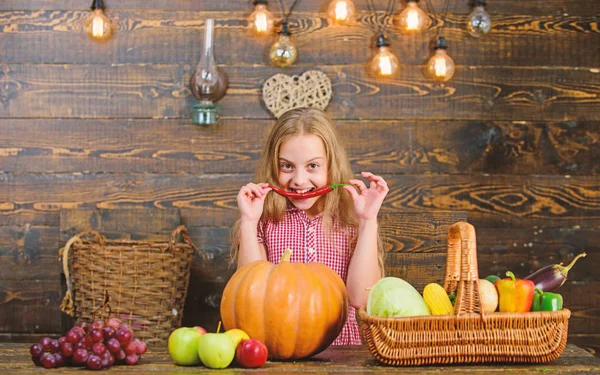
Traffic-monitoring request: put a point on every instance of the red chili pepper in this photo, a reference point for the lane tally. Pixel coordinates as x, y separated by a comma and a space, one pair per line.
310, 194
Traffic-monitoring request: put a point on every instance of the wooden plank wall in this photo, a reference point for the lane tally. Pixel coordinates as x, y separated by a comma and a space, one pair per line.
512, 139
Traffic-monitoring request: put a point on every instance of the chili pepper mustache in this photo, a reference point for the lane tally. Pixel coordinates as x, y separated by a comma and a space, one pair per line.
309, 194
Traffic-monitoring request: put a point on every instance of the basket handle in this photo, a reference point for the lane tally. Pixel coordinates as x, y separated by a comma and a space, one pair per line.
184, 235
461, 269
67, 303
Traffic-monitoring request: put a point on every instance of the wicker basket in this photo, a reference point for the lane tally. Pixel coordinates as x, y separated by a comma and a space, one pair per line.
470, 336
146, 282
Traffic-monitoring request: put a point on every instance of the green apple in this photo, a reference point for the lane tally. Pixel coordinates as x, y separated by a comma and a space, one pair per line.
183, 345
216, 350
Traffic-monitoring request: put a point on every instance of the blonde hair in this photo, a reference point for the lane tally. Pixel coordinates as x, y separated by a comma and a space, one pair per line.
336, 205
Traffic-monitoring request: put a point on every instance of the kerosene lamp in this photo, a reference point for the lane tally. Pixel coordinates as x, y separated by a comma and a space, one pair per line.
208, 83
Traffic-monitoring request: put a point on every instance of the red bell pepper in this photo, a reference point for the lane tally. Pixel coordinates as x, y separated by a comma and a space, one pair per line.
516, 295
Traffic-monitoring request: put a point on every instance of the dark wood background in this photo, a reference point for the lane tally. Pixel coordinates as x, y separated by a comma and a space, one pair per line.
512, 139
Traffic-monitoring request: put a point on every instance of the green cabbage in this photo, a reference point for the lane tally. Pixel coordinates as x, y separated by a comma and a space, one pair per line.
392, 296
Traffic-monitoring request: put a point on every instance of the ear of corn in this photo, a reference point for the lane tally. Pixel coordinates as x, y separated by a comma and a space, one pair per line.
437, 300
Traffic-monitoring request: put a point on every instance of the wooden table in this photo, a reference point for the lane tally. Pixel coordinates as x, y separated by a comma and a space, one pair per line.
15, 359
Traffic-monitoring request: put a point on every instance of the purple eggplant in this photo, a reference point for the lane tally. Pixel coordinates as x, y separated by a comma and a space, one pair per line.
552, 276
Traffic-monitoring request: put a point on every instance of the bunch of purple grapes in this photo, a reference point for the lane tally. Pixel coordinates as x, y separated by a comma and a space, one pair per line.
96, 346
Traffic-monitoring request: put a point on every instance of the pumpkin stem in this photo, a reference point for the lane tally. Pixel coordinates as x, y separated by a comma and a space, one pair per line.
219, 327
286, 255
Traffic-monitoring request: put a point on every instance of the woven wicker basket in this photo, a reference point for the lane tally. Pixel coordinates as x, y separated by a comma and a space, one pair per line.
146, 282
470, 336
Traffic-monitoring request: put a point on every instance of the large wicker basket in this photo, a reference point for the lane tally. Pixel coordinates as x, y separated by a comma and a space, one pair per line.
470, 336
145, 282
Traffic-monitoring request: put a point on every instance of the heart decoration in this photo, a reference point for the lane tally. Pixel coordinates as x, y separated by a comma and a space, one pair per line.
282, 92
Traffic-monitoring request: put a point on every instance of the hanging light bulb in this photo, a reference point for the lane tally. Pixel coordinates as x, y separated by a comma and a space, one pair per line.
479, 22
384, 64
283, 53
261, 20
98, 26
412, 19
208, 83
340, 12
440, 66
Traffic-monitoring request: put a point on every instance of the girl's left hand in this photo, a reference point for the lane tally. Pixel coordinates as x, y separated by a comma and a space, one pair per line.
368, 202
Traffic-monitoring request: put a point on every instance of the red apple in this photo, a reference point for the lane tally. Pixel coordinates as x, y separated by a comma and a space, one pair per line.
251, 353
202, 330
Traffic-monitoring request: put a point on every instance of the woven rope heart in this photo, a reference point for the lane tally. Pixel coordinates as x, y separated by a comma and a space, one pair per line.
282, 92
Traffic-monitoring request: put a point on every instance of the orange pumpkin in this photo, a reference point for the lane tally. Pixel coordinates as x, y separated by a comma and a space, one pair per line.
295, 309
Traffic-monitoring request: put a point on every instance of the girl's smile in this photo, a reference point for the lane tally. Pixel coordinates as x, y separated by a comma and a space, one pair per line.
302, 191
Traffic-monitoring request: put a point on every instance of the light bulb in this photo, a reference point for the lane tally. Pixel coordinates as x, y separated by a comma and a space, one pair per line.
440, 66
261, 20
283, 53
412, 19
479, 22
98, 26
384, 64
340, 12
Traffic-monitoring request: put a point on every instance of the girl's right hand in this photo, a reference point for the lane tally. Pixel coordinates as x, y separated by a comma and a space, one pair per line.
251, 200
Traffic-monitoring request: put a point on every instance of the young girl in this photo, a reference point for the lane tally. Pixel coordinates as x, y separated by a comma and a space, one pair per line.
338, 229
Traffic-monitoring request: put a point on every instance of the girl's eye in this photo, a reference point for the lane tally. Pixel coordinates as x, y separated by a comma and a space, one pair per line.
313, 166
286, 166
